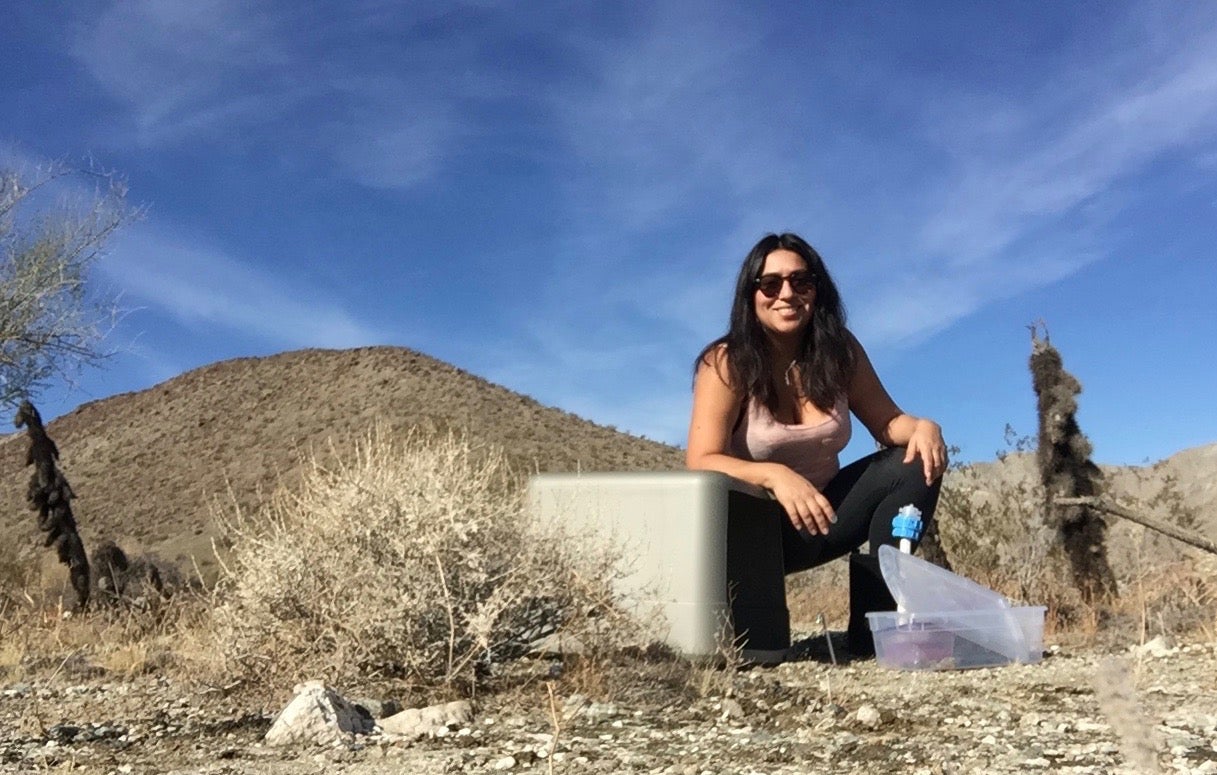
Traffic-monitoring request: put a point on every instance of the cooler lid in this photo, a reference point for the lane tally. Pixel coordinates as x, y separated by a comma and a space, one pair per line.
922, 586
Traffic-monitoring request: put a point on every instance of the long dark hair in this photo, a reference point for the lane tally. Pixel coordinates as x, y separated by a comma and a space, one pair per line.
825, 355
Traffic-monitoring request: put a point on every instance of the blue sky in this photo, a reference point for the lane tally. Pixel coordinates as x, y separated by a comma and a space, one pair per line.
557, 196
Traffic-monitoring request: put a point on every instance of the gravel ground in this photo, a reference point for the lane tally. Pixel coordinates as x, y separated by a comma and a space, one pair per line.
805, 716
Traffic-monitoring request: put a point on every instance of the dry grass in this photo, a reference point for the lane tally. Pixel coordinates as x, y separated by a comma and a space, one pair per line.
44, 639
20, 572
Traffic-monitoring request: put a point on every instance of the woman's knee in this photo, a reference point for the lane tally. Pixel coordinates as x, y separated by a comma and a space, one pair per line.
892, 458
908, 476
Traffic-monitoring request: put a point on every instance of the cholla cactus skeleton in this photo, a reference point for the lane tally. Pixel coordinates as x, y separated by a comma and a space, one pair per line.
51, 496
1066, 470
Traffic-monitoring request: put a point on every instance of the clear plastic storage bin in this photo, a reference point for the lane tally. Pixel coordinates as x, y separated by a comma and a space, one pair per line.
953, 640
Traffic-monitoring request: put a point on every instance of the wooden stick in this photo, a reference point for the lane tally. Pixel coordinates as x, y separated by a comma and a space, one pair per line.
1153, 523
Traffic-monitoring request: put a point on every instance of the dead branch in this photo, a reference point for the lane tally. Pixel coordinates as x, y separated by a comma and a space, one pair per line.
1153, 523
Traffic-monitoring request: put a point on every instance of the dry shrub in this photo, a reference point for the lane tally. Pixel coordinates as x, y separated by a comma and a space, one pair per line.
414, 559
998, 536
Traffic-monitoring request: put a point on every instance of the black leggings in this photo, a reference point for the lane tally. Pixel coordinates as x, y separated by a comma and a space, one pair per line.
866, 495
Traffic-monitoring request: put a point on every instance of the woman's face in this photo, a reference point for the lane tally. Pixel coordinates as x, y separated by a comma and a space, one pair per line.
788, 311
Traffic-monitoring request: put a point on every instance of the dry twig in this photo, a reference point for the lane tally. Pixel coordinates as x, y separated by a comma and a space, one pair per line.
1161, 526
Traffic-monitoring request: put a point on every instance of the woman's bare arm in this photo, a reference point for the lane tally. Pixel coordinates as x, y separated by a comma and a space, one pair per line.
890, 426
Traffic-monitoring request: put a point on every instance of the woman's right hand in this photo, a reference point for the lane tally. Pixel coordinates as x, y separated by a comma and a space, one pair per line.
809, 511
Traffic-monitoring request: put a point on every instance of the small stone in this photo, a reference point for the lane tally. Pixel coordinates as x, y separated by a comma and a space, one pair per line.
1030, 720
378, 709
1158, 647
420, 722
505, 763
732, 709
869, 717
63, 732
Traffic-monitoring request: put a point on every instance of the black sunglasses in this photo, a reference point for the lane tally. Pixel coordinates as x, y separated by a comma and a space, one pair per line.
770, 285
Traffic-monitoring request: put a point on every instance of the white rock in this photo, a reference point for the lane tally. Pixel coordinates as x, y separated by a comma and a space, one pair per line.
506, 763
1031, 719
1159, 647
732, 709
421, 722
317, 715
869, 717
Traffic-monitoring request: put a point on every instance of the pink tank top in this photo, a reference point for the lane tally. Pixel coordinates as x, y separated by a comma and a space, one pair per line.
811, 450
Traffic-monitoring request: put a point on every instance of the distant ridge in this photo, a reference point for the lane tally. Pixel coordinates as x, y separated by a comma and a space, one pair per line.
148, 466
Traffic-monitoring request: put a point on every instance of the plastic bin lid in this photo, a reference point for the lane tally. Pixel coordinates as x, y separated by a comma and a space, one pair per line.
922, 586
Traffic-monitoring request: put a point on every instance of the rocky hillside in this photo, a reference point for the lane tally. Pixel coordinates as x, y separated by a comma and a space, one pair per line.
149, 467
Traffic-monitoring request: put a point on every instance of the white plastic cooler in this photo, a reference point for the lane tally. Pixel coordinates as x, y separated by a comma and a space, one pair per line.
700, 549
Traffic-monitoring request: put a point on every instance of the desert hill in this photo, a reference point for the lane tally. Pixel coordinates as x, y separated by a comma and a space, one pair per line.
148, 467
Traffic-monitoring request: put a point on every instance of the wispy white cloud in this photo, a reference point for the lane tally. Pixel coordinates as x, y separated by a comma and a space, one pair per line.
1044, 170
1022, 210
1033, 204
184, 69
670, 118
201, 71
204, 288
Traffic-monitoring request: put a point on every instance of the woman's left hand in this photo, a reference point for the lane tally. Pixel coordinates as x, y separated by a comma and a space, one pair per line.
926, 442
